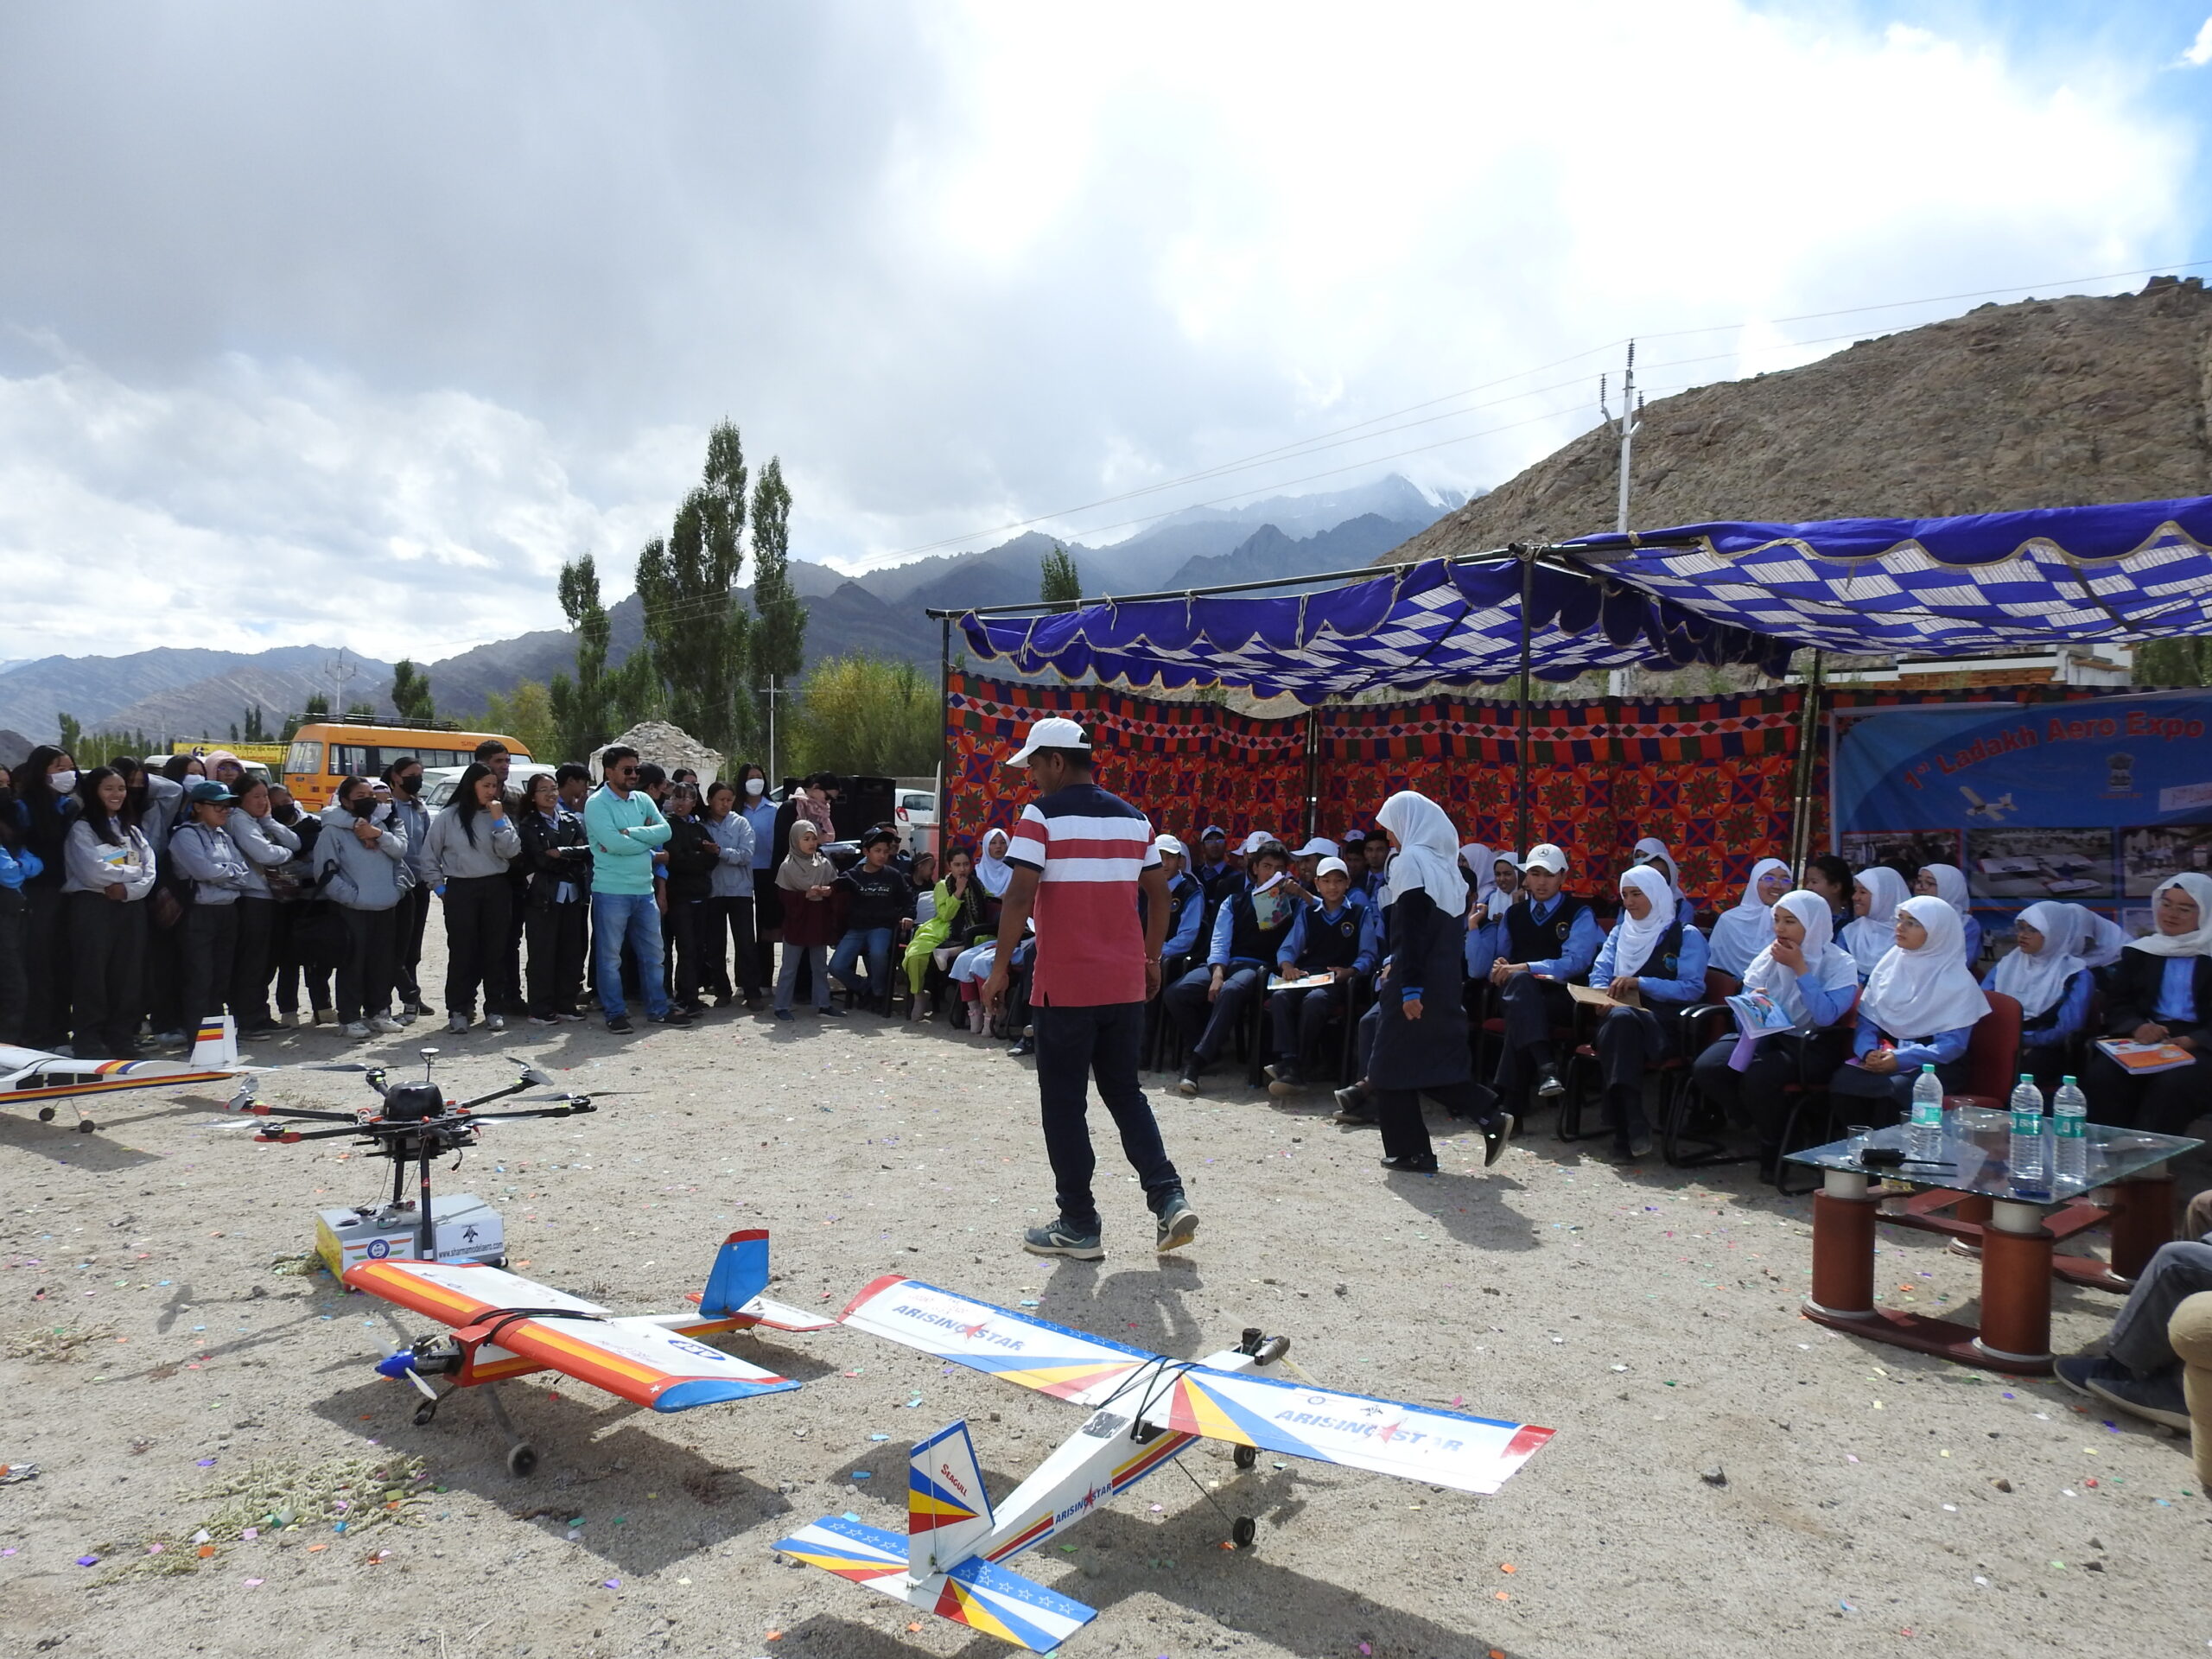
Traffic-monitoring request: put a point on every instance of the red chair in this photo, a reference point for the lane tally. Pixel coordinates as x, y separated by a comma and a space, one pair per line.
1695, 1030
1993, 1053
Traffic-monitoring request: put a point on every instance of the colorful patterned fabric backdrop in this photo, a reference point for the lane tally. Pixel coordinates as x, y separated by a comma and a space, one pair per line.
1711, 777
1186, 764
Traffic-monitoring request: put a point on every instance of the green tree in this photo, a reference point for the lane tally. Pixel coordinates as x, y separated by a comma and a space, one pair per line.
526, 714
634, 692
862, 713
361, 711
779, 635
1062, 586
2183, 661
257, 730
411, 692
317, 708
697, 634
583, 708
72, 733
234, 731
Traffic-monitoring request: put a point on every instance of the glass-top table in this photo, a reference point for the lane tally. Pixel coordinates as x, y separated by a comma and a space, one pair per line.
1970, 1192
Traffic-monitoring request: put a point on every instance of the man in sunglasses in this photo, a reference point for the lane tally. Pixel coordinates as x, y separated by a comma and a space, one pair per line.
625, 827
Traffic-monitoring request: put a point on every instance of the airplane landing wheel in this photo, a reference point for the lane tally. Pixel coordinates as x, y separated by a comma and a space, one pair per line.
522, 1461
1244, 1532
46, 1114
1247, 1457
424, 1413
85, 1126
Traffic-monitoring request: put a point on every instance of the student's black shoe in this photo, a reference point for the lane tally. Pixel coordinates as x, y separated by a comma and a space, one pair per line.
673, 1017
1496, 1133
620, 1025
1423, 1165
1548, 1087
1027, 1046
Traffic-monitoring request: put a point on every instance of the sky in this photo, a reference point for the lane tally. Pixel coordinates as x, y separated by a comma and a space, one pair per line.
348, 325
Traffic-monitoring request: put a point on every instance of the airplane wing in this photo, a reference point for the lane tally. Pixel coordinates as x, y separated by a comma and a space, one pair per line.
1013, 1347
1444, 1448
30, 1074
640, 1359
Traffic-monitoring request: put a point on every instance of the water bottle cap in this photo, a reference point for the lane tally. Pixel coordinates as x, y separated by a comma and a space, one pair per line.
1927, 1070
2066, 1080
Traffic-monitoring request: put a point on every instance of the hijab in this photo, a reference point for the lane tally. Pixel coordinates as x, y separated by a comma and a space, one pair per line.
2037, 982
1918, 993
1871, 936
2101, 939
1634, 940
992, 873
1482, 870
1741, 933
1951, 886
1427, 858
2198, 943
1827, 964
1652, 851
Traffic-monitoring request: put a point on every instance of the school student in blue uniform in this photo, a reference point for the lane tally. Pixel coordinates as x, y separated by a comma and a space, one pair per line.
1546, 941
1332, 935
1661, 958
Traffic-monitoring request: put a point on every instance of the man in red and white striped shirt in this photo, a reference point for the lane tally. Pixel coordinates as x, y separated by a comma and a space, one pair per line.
1080, 855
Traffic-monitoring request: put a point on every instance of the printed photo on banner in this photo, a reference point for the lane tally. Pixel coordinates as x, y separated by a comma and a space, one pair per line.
2149, 855
1910, 849
2025, 866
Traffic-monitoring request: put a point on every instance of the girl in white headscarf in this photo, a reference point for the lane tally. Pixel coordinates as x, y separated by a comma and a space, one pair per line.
1919, 1008
992, 873
1741, 933
1481, 871
2045, 976
1813, 980
2160, 991
1651, 851
2101, 939
1949, 883
1875, 895
1657, 958
1420, 1039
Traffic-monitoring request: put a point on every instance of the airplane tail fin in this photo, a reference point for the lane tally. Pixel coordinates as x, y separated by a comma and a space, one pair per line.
948, 1507
980, 1594
740, 1274
215, 1045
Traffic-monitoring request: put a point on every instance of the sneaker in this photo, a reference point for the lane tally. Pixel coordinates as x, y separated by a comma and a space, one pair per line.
1496, 1133
495, 1022
1177, 1224
1351, 1100
2077, 1372
406, 1016
1283, 1080
177, 1038
289, 1022
620, 1025
545, 1020
1023, 1049
1188, 1085
1061, 1239
322, 1017
571, 1016
1548, 1087
458, 1025
387, 1024
356, 1029
783, 1013
1425, 1164
675, 1016
1637, 1146
2159, 1401
418, 1006
66, 1051
831, 1012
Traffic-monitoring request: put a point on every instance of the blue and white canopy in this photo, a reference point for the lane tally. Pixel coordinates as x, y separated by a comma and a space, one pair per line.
1713, 593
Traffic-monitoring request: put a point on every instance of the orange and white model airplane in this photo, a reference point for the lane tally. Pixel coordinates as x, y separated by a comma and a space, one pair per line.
32, 1077
505, 1326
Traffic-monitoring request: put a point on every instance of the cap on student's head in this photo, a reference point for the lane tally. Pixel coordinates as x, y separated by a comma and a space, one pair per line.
1169, 845
1254, 842
1054, 732
1545, 856
209, 794
1319, 846
1330, 867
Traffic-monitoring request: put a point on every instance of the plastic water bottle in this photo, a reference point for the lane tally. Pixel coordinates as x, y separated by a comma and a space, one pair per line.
1924, 1138
2070, 1114
2027, 1159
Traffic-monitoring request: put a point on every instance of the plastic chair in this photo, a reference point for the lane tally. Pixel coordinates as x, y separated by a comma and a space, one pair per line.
1992, 1058
1701, 1027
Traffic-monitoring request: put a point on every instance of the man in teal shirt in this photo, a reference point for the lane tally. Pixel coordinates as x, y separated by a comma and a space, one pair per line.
625, 827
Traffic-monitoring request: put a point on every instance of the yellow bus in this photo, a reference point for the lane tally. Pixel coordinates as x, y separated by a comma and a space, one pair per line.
326, 752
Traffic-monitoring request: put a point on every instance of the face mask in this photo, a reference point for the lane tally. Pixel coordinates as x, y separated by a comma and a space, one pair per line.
408, 786
61, 782
756, 786
362, 808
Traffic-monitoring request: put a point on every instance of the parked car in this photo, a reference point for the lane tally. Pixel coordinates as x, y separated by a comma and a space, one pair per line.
917, 820
438, 782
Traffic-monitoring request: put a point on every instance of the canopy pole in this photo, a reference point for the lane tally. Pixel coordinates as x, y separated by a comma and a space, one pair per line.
1809, 734
1528, 557
945, 735
1312, 771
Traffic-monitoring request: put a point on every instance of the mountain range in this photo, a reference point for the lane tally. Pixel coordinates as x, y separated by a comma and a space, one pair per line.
181, 692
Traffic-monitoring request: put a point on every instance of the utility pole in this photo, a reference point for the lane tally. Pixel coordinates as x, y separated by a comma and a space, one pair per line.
1620, 680
342, 674
772, 691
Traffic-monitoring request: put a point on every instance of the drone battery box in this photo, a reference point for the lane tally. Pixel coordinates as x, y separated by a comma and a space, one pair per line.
468, 1229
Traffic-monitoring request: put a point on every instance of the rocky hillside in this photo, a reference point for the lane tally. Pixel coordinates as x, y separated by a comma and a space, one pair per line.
2045, 402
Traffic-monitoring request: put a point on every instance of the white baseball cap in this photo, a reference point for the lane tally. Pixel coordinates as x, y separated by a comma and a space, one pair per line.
1330, 867
1320, 845
1055, 732
1254, 842
1545, 856
1169, 845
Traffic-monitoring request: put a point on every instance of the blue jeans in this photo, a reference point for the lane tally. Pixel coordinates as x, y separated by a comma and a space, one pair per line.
632, 916
876, 942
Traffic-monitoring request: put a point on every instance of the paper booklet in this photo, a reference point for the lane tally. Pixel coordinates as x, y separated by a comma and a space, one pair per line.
1758, 1015
1597, 999
2144, 1058
1310, 982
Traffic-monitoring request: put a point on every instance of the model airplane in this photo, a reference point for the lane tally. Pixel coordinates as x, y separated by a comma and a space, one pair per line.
1146, 1409
503, 1327
30, 1074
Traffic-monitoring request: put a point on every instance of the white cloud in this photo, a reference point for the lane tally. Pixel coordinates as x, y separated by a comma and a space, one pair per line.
2199, 50
957, 267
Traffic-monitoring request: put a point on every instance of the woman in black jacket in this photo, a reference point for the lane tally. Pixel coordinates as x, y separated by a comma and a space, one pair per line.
556, 853
692, 857
2160, 991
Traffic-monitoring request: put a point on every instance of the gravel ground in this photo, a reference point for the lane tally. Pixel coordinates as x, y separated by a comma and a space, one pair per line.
1726, 1478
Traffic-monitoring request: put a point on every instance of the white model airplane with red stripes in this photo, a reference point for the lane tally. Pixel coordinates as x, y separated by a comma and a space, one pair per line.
1146, 1409
32, 1077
